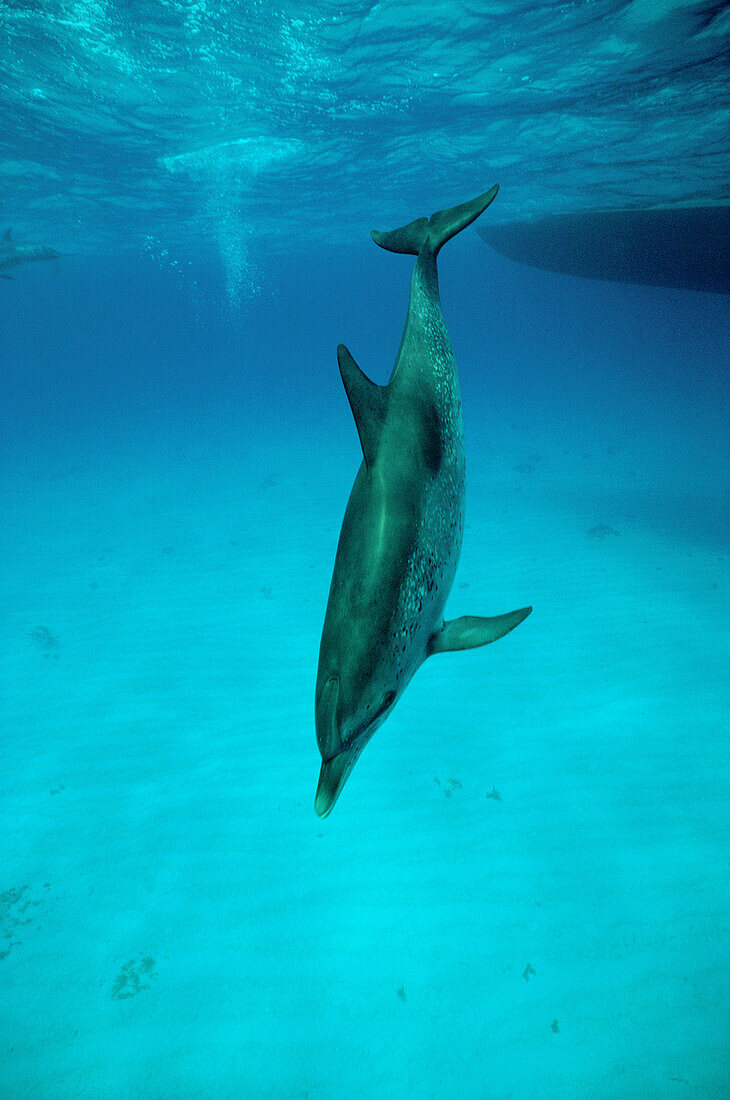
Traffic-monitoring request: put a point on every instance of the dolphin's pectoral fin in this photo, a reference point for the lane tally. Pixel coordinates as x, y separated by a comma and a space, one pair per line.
328, 730
8, 236
368, 402
470, 631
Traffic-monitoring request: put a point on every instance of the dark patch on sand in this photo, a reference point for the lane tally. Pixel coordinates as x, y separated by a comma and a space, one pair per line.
130, 979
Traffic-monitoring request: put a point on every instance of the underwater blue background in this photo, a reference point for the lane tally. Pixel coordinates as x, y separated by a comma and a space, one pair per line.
523, 889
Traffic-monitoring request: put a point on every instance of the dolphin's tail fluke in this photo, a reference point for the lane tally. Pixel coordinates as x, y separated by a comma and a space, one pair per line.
436, 230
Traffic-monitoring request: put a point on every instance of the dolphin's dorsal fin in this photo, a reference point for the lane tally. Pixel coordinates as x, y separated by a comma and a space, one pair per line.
8, 236
470, 631
368, 402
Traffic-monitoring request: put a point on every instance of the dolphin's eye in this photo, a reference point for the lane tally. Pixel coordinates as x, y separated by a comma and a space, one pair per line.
388, 700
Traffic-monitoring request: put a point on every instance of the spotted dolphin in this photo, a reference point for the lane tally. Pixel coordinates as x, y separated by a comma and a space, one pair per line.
12, 254
403, 526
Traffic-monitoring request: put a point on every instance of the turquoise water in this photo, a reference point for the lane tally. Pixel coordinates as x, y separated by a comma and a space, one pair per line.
523, 888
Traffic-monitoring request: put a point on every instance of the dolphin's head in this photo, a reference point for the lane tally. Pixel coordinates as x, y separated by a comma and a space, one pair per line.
347, 711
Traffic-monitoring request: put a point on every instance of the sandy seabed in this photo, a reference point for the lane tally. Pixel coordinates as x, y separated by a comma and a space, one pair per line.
522, 891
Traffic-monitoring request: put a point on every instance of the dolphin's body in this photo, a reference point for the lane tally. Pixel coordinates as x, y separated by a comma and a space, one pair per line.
402, 531
12, 254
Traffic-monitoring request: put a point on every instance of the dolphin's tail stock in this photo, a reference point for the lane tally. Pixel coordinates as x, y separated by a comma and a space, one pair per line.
436, 230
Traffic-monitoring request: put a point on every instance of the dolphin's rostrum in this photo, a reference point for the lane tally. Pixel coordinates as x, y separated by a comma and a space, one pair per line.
402, 531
